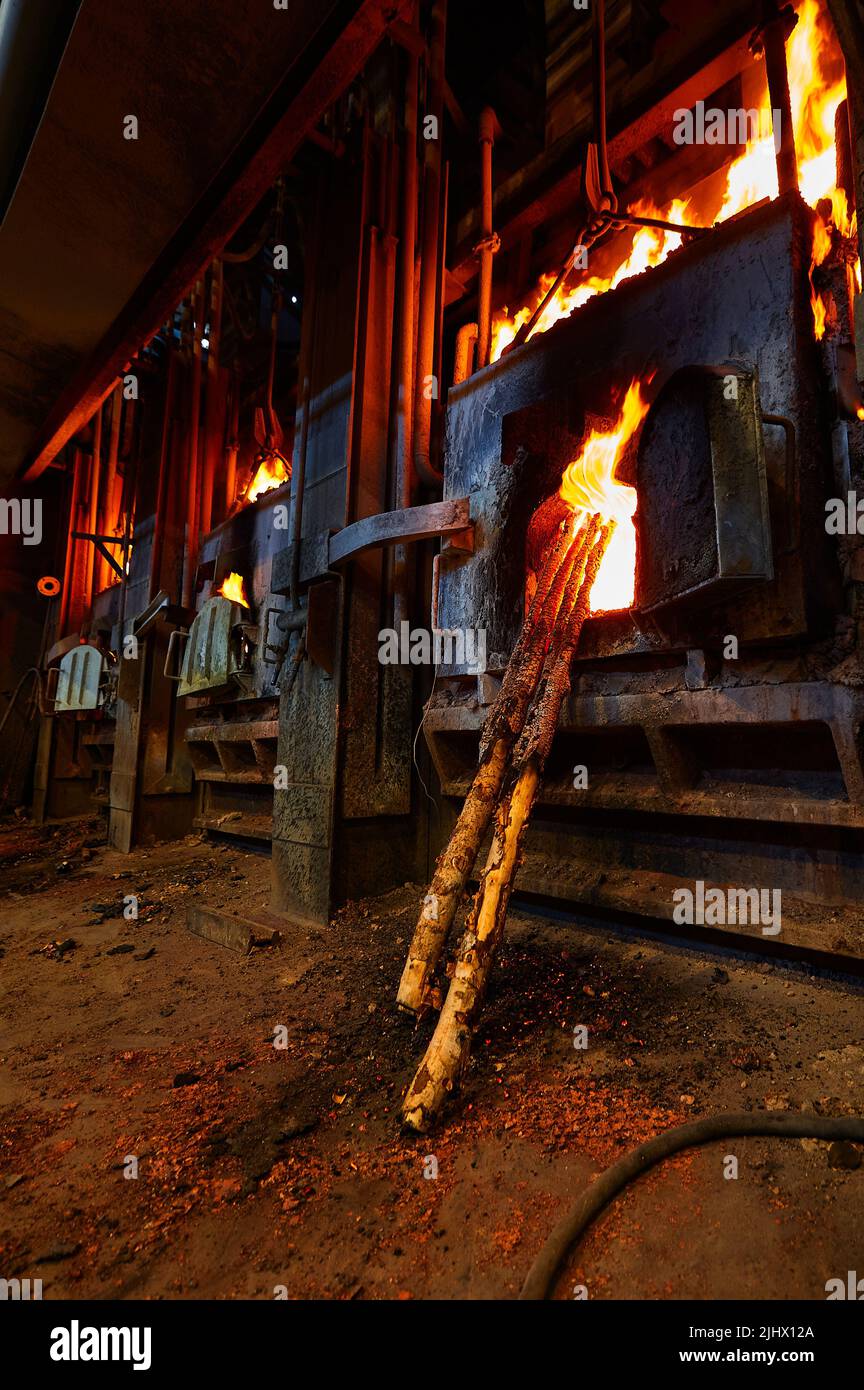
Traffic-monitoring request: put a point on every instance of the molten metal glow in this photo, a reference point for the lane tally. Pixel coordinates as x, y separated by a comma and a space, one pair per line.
589, 485
271, 472
232, 588
817, 85
650, 246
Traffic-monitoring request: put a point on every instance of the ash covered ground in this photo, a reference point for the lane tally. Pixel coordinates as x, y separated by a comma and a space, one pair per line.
264, 1168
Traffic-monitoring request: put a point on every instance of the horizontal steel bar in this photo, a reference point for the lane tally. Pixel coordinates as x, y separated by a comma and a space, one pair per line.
395, 528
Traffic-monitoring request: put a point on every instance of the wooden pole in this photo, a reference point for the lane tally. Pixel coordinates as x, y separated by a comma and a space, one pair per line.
502, 727
447, 1055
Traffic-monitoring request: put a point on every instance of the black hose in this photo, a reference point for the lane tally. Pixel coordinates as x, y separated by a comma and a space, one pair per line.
774, 1124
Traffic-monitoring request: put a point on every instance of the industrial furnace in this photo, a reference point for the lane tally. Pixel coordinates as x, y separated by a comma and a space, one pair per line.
432, 664
372, 392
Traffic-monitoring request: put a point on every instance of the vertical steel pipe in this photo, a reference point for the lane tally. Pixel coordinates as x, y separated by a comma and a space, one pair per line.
770, 38
192, 491
404, 470
487, 246
463, 364
406, 307
428, 297
213, 411
298, 491
69, 569
163, 488
94, 564
112, 492
231, 448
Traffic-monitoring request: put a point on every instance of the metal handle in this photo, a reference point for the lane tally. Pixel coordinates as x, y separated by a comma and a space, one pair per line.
178, 632
291, 622
268, 646
48, 698
793, 516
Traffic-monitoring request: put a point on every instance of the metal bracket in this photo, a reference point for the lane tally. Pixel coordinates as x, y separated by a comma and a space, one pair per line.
161, 610
49, 693
101, 542
286, 622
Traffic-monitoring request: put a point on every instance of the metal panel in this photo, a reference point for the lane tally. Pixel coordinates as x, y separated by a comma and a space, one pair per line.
701, 462
82, 681
210, 659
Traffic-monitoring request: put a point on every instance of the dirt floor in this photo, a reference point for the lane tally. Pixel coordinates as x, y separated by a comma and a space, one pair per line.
269, 1170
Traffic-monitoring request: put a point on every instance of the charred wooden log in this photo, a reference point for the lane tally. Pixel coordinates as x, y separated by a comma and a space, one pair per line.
447, 1054
503, 725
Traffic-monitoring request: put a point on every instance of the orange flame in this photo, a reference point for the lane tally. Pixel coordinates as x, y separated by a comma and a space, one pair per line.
233, 588
650, 246
589, 485
817, 85
272, 472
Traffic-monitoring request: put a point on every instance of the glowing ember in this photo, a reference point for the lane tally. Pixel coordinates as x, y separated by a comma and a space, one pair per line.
272, 472
589, 485
649, 247
233, 589
817, 85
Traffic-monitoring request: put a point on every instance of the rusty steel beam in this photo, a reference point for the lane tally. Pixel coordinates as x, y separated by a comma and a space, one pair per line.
407, 524
489, 242
769, 41
342, 45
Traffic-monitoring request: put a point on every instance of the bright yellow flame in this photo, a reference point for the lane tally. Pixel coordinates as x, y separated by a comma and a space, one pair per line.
750, 178
272, 472
817, 85
589, 486
233, 588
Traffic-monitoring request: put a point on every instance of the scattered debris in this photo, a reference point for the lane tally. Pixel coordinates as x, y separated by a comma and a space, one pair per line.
338, 1200
843, 1154
56, 950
